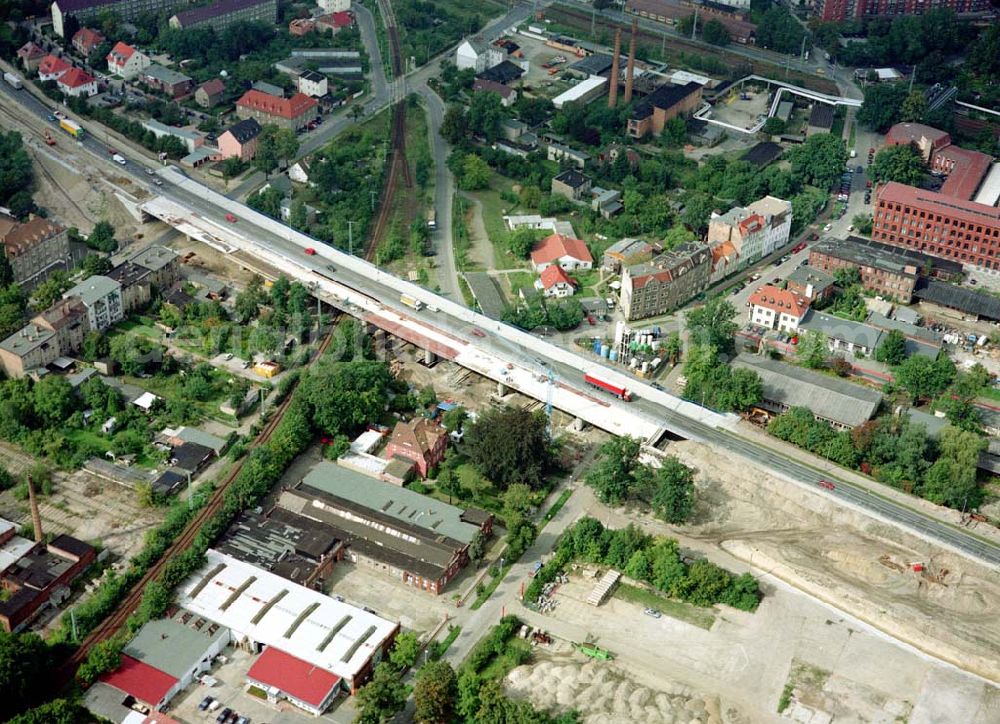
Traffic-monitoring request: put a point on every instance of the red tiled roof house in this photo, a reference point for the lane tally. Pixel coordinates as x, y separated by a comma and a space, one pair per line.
294, 112
52, 68
567, 252
554, 282
86, 40
125, 61
777, 308
77, 82
419, 440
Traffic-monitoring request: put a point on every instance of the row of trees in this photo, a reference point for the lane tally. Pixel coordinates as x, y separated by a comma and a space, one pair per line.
895, 451
17, 178
651, 559
619, 476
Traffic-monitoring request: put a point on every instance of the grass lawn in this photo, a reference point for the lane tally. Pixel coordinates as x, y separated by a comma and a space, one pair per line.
144, 326
171, 388
701, 617
494, 209
588, 279
520, 280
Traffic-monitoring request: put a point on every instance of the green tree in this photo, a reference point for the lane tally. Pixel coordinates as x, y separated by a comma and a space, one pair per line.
892, 351
611, 475
521, 241
405, 650
509, 445
434, 693
882, 106
673, 500
698, 207
16, 174
714, 324
53, 400
57, 711
102, 237
485, 114
286, 144
25, 668
94, 264
715, 32
914, 108
779, 31
673, 348
247, 303
266, 156
475, 173
382, 697
773, 126
811, 350
51, 290
819, 161
674, 132
454, 125
924, 378
454, 418
346, 395
897, 163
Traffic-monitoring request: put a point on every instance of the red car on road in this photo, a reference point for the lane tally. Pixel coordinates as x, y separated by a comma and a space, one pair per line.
230, 218
478, 332
799, 247
310, 251
826, 484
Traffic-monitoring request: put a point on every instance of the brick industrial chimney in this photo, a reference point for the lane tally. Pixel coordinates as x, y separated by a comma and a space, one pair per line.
36, 517
630, 70
613, 92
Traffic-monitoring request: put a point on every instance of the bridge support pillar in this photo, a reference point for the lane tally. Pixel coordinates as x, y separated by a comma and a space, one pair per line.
429, 357
501, 389
577, 425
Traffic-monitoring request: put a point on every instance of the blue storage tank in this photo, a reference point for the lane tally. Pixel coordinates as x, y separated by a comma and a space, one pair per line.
614, 355
605, 350
597, 346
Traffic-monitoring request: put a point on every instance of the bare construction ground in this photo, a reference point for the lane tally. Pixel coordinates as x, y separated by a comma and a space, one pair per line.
840, 597
850, 560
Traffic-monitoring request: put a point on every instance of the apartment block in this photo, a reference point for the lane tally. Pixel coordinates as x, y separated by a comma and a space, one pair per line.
222, 14
938, 225
666, 282
754, 231
837, 10
34, 248
84, 10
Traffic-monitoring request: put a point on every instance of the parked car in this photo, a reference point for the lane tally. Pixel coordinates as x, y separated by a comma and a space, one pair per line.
205, 703
860, 169
813, 237
224, 716
652, 612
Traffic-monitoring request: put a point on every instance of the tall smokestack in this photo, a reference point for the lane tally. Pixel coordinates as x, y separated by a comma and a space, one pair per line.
630, 70
36, 517
613, 93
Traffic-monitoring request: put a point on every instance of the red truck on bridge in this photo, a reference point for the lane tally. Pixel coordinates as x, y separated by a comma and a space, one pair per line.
619, 392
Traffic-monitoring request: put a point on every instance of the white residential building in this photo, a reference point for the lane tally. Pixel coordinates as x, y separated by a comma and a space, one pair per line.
127, 62
754, 231
477, 54
102, 296
313, 84
334, 6
777, 308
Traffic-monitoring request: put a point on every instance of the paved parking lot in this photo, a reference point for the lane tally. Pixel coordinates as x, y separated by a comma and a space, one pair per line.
230, 692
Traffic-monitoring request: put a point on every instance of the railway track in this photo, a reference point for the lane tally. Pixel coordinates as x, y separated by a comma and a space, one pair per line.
398, 165
114, 623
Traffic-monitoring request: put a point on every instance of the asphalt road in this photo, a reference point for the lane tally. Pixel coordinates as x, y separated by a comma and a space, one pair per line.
651, 403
